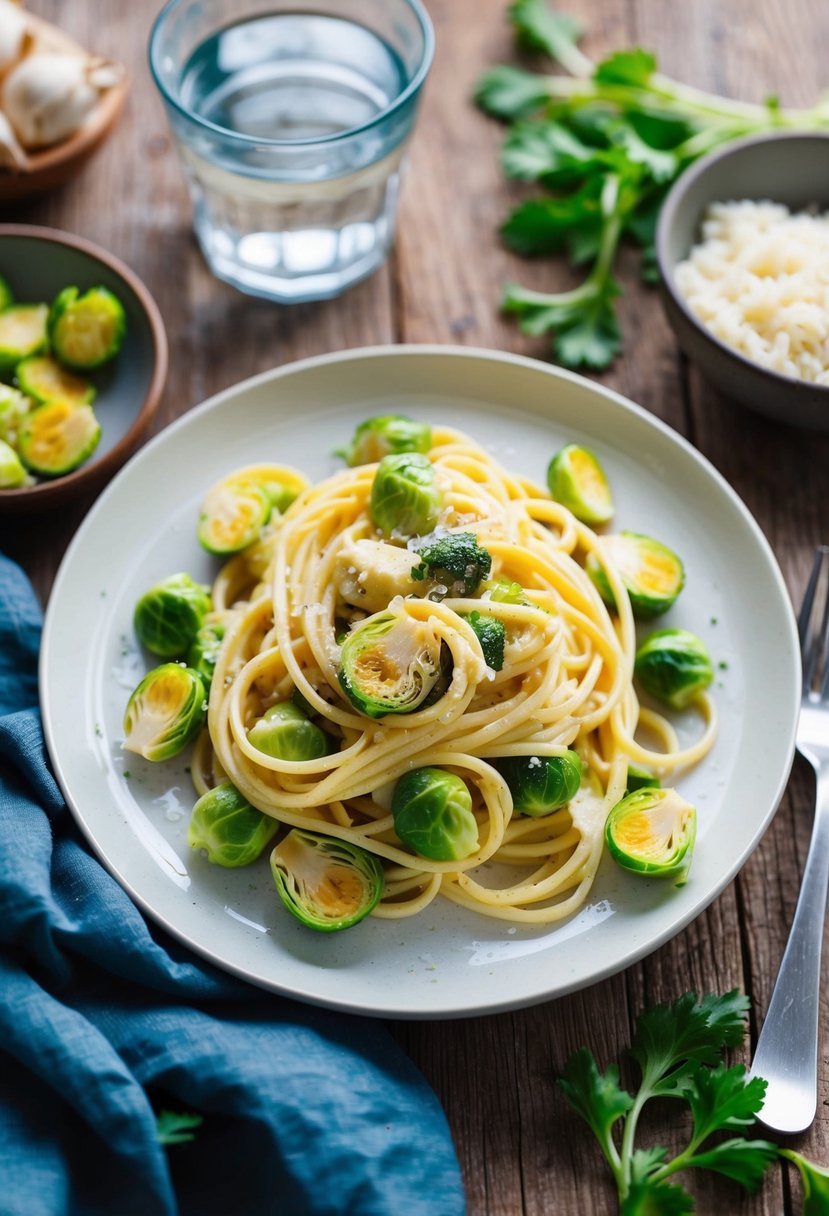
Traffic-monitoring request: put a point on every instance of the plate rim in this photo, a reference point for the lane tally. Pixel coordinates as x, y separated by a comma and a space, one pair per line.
453, 1009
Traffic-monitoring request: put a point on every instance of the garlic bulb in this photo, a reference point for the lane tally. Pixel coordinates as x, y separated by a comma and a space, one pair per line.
14, 34
48, 96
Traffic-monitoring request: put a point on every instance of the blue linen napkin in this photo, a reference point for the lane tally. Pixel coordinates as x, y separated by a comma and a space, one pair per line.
102, 1018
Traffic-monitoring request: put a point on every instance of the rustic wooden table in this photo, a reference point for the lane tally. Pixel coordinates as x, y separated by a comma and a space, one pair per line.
520, 1149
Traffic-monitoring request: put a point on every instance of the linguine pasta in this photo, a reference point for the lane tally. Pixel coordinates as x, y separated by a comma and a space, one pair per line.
565, 683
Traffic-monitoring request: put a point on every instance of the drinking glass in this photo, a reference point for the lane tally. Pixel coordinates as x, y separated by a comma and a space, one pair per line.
292, 127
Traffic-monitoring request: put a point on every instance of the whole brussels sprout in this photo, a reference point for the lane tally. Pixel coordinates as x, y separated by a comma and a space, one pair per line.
392, 664
432, 811
652, 831
673, 665
165, 712
233, 832
404, 498
387, 435
652, 574
326, 883
204, 652
577, 480
540, 784
285, 733
169, 615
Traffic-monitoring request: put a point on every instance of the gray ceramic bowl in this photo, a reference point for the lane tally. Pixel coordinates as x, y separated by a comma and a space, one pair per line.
38, 262
789, 168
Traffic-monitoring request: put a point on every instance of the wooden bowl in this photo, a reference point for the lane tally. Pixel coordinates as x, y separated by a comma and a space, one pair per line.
38, 263
53, 166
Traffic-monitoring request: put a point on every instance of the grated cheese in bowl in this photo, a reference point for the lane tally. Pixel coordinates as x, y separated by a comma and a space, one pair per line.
759, 281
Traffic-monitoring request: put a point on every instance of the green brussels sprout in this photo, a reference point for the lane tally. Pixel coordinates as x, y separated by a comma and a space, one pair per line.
204, 652
14, 407
652, 574
232, 516
505, 591
577, 480
391, 664
386, 435
22, 333
652, 831
455, 560
404, 497
233, 832
540, 784
285, 733
86, 331
673, 665
165, 712
326, 883
640, 779
169, 615
432, 812
12, 472
492, 635
57, 437
43, 379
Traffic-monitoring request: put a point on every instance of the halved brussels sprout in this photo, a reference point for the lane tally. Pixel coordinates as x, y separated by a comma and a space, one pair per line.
652, 573
404, 498
285, 733
540, 784
456, 561
652, 831
22, 333
43, 379
6, 294
204, 652
640, 779
390, 664
169, 615
57, 437
14, 407
326, 883
232, 516
281, 484
233, 832
577, 480
386, 435
492, 635
86, 330
432, 811
673, 665
165, 712
12, 472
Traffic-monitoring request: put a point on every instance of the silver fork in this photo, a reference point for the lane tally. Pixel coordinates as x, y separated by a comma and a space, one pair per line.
786, 1052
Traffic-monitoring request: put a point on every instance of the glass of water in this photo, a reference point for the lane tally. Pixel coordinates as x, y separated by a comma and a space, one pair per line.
292, 127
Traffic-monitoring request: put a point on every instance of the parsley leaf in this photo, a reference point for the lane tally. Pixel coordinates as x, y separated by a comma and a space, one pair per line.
539, 28
176, 1127
815, 1181
506, 92
678, 1048
626, 67
543, 225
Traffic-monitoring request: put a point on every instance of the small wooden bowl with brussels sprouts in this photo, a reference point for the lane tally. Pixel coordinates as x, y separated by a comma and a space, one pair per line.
83, 360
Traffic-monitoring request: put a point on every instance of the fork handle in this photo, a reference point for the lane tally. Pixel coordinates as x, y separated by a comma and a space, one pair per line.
786, 1052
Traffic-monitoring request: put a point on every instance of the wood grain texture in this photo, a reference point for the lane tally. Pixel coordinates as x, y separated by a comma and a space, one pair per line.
522, 1152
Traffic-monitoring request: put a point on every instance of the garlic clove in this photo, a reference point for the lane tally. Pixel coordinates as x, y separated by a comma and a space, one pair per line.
48, 96
15, 38
12, 155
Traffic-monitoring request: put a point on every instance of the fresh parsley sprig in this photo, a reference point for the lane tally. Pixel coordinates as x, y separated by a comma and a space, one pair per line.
176, 1127
604, 143
678, 1048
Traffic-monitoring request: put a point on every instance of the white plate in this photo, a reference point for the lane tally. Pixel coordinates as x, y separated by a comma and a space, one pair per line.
445, 962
